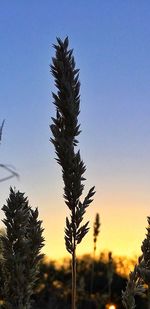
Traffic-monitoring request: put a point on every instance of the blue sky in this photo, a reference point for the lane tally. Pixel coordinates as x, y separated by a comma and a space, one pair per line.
111, 48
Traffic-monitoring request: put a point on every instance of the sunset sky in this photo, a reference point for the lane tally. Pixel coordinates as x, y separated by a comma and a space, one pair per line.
111, 41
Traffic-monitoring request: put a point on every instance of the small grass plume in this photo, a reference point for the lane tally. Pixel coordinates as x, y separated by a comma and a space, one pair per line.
65, 129
21, 245
134, 287
96, 231
140, 275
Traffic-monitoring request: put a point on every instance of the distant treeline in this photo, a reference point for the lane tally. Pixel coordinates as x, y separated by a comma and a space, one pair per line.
53, 288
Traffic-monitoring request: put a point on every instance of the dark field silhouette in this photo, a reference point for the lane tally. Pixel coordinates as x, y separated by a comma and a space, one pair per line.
53, 288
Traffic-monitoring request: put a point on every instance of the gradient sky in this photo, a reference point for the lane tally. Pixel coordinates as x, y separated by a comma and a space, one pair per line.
111, 41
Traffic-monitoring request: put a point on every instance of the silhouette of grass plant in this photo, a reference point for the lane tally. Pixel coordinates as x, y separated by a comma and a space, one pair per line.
96, 231
65, 129
140, 276
21, 245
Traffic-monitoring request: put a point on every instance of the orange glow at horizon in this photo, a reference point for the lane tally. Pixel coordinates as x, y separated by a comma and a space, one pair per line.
122, 229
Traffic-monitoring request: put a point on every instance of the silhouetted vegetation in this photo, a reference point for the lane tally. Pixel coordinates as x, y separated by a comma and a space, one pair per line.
65, 130
27, 281
20, 251
53, 288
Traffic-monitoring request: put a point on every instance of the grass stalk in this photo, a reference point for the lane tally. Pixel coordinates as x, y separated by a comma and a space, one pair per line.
140, 276
74, 279
21, 246
65, 129
96, 230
